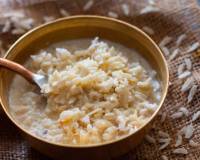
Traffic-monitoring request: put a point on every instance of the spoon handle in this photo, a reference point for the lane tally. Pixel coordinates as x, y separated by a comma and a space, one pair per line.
17, 68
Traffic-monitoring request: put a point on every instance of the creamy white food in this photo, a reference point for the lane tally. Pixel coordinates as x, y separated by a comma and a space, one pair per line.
95, 93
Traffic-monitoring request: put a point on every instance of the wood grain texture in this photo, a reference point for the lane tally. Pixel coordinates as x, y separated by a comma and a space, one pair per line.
176, 17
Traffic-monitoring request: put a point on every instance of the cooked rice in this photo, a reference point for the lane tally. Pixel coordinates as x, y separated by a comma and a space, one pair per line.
91, 94
196, 116
149, 9
112, 14
192, 93
188, 63
187, 84
88, 5
180, 39
179, 140
181, 150
148, 30
184, 74
125, 9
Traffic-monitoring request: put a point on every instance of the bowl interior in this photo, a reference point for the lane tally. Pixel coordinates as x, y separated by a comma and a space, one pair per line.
83, 27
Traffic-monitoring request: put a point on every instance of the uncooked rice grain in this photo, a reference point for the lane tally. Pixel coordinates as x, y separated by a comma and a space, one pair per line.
180, 39
7, 26
64, 13
174, 54
18, 31
177, 115
188, 63
88, 5
165, 141
149, 9
163, 117
193, 144
184, 74
184, 110
150, 139
192, 92
48, 18
179, 140
125, 9
112, 14
181, 150
163, 134
163, 157
165, 50
193, 47
187, 84
166, 40
196, 116
187, 131
181, 68
148, 30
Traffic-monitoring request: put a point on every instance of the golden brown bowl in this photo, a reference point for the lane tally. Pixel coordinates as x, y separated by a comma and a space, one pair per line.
85, 27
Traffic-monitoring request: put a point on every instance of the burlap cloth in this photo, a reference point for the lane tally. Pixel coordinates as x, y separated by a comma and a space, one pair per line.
176, 17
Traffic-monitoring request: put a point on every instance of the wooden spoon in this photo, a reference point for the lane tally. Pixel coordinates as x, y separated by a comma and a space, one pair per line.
37, 79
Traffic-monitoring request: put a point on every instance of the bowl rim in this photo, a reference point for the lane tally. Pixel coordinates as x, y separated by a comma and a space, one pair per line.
165, 90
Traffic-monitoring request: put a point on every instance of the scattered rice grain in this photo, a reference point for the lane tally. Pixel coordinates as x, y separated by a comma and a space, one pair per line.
184, 74
181, 68
184, 110
163, 134
149, 9
188, 63
112, 14
193, 144
193, 47
150, 139
177, 115
148, 30
180, 39
166, 40
163, 157
187, 84
64, 13
163, 117
125, 9
179, 140
192, 92
7, 26
174, 54
165, 50
88, 5
196, 116
180, 151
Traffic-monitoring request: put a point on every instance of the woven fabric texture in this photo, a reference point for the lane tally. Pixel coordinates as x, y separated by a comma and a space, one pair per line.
175, 18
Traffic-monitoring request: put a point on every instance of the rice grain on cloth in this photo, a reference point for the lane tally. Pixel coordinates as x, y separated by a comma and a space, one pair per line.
88, 5
192, 93
125, 9
181, 150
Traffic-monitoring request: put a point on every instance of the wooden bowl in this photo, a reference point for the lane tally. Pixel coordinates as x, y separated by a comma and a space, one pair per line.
76, 27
